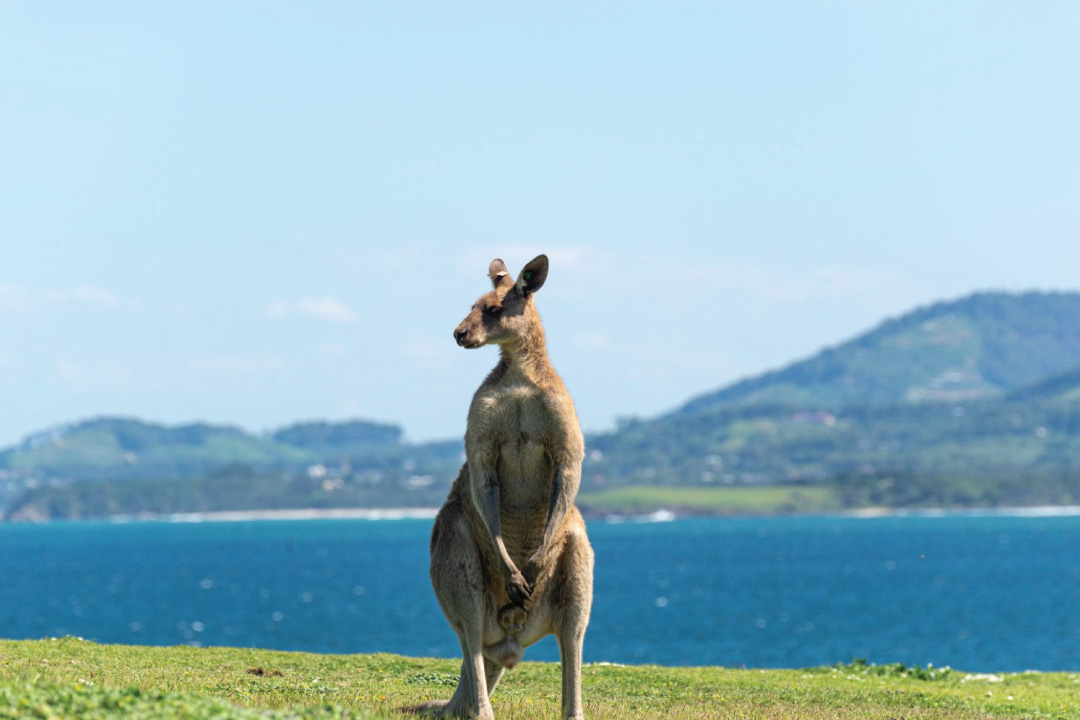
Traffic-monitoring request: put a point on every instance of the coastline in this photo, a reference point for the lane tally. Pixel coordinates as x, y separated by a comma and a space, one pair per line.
1020, 511
406, 513
660, 515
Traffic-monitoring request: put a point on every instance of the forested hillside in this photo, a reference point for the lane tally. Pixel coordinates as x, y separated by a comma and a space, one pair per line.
980, 347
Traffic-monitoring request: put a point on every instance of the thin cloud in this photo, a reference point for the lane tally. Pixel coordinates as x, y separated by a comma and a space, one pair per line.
226, 364
593, 341
430, 354
333, 350
624, 276
12, 297
84, 295
327, 308
324, 308
93, 375
16, 298
278, 310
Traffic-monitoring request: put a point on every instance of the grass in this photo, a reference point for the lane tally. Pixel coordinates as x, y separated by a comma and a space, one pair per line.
71, 678
765, 500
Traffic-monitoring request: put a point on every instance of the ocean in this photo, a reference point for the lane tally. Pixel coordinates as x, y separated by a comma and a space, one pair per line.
978, 593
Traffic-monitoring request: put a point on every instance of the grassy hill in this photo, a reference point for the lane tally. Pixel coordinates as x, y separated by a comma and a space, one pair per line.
71, 678
972, 402
340, 441
123, 447
980, 347
116, 448
235, 488
119, 466
770, 444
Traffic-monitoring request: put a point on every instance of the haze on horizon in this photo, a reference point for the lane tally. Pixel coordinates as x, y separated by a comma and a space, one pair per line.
257, 213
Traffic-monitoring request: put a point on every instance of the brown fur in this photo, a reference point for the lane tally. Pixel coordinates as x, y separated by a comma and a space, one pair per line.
510, 561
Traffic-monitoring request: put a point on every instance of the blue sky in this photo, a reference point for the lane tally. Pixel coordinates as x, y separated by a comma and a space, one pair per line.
256, 213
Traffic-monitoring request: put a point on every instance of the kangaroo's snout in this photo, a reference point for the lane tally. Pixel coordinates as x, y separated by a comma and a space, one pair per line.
467, 338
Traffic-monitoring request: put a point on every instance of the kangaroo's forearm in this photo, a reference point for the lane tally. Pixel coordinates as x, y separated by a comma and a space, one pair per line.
485, 496
564, 487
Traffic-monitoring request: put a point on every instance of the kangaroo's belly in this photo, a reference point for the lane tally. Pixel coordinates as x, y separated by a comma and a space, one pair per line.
525, 476
524, 471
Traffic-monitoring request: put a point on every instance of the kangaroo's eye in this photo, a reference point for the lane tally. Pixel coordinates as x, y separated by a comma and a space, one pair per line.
493, 311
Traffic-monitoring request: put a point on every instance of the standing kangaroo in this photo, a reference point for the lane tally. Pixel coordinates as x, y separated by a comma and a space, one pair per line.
510, 560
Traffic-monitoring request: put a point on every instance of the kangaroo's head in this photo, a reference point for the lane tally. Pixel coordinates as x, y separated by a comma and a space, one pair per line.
506, 314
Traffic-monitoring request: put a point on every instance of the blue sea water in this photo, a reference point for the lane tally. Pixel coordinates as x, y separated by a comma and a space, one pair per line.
977, 593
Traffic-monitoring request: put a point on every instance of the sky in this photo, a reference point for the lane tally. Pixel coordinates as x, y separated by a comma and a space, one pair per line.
256, 213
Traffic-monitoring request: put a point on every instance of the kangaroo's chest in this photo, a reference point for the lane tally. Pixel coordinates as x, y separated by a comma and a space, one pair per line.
517, 426
513, 412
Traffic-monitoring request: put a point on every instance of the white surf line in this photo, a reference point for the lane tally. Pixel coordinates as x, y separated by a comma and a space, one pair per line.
1035, 511
293, 514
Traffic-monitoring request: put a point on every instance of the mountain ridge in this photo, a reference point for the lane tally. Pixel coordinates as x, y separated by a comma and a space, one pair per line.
973, 347
122, 446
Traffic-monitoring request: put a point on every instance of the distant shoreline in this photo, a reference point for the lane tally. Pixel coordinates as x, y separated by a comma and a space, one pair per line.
1030, 511
408, 513
657, 516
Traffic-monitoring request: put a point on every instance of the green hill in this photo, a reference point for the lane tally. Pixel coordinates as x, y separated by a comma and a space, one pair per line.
991, 452
339, 441
118, 448
971, 402
979, 347
119, 466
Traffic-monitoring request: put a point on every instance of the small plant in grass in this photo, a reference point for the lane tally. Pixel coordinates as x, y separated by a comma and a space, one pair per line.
860, 666
432, 678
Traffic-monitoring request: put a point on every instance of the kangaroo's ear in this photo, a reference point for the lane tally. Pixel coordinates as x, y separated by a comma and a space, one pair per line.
498, 273
533, 275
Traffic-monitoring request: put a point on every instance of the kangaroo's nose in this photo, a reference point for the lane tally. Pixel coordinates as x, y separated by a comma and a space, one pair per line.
460, 335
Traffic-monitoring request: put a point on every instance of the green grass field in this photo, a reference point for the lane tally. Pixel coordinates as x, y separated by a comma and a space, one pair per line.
72, 678
764, 500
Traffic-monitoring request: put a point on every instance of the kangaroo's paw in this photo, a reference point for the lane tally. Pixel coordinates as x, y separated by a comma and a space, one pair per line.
431, 708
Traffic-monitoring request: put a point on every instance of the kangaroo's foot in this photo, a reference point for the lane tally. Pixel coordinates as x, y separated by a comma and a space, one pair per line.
431, 708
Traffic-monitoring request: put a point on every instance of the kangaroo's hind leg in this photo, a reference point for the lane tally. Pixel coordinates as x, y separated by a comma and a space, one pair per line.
457, 576
493, 672
571, 604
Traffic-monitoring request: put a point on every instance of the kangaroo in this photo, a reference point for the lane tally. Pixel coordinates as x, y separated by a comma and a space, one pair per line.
510, 561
